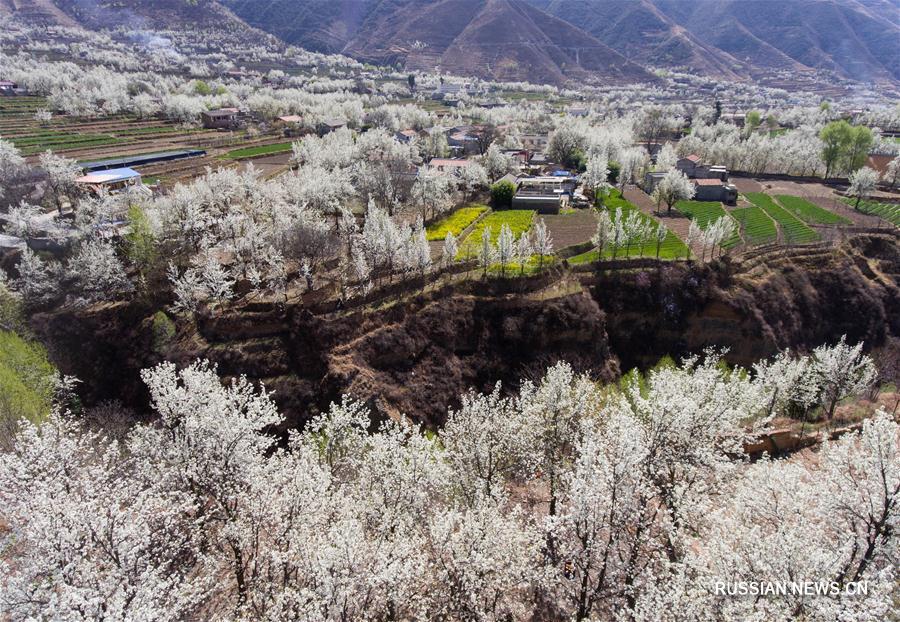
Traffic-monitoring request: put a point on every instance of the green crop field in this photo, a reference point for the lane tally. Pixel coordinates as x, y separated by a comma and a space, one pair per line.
30, 144
809, 212
701, 212
704, 213
795, 231
888, 211
671, 248
519, 220
260, 150
758, 228
454, 223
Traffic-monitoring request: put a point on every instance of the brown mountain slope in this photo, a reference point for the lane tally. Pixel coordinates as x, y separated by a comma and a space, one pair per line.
642, 33
496, 39
134, 14
855, 40
499, 39
858, 39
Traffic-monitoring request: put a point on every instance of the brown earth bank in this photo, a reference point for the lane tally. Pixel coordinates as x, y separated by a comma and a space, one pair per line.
419, 354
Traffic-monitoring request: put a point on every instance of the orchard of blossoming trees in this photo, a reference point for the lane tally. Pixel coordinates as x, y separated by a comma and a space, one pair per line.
562, 501
552, 498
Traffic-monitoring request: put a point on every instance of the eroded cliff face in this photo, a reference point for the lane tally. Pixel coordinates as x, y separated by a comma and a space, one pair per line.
418, 355
797, 298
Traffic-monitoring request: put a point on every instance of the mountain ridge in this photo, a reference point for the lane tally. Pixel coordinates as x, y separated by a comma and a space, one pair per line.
548, 41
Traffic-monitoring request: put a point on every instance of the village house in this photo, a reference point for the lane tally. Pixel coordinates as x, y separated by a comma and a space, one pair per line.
694, 168
330, 125
534, 142
519, 156
223, 118
715, 190
406, 136
292, 125
8, 87
651, 179
461, 140
449, 90
688, 164
546, 194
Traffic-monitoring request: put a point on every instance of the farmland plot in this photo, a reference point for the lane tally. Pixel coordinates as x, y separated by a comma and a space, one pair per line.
757, 227
888, 211
794, 230
704, 213
454, 223
519, 220
809, 212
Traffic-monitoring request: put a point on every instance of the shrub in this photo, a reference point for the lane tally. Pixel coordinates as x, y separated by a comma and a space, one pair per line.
163, 331
502, 194
614, 169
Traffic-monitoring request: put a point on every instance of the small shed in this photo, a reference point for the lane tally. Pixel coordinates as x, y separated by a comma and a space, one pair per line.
224, 118
651, 179
113, 180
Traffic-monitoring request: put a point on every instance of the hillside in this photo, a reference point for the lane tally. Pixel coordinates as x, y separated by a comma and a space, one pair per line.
498, 39
130, 14
857, 39
550, 41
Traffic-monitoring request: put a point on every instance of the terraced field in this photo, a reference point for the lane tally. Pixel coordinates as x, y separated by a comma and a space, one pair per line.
454, 223
793, 230
756, 227
809, 212
704, 213
519, 220
258, 150
671, 248
889, 211
31, 144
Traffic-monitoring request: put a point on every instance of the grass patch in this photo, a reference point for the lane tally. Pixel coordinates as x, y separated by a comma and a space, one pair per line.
454, 223
519, 220
260, 150
888, 211
795, 231
758, 228
809, 212
26, 378
704, 213
671, 248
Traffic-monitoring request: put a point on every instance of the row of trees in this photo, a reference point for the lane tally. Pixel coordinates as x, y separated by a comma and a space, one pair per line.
561, 501
624, 231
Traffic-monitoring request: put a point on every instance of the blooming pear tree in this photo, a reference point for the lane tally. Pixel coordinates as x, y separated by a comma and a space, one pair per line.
563, 499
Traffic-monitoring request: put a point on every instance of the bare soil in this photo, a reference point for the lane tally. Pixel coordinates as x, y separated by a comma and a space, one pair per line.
571, 228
